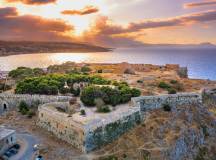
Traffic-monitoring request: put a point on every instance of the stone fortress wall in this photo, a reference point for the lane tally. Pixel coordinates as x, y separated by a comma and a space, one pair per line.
89, 135
147, 103
9, 101
98, 132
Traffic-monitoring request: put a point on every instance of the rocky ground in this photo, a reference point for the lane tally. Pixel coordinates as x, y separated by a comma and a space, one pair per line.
185, 133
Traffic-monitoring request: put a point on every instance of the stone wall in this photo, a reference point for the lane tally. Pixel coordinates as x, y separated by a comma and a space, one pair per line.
8, 101
92, 134
61, 125
98, 134
153, 102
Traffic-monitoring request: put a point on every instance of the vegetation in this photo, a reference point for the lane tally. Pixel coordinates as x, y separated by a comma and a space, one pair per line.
85, 69
111, 157
164, 85
121, 94
172, 87
172, 91
54, 83
82, 112
173, 81
23, 72
23, 107
101, 107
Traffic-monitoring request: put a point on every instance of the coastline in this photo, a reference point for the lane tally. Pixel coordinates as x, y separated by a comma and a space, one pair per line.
8, 48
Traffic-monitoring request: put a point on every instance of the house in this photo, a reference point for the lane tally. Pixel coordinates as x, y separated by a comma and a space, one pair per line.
7, 139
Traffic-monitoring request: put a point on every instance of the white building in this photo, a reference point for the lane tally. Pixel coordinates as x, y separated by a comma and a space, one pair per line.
7, 139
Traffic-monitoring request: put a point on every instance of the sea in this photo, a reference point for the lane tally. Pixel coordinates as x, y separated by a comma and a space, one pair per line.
201, 62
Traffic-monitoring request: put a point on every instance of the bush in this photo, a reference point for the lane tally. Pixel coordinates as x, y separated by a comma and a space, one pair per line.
23, 72
167, 107
164, 85
112, 96
89, 94
23, 108
82, 112
135, 92
112, 157
85, 69
76, 92
172, 91
51, 84
103, 109
173, 81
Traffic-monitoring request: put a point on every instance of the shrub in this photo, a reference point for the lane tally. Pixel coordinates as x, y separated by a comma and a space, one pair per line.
85, 69
167, 107
164, 85
112, 157
135, 92
31, 113
112, 96
23, 107
172, 91
76, 92
51, 84
103, 109
108, 95
173, 81
82, 112
89, 94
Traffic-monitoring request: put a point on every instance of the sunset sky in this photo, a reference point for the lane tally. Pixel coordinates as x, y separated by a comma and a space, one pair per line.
116, 23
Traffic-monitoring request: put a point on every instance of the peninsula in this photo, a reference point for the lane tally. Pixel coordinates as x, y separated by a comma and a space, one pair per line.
23, 47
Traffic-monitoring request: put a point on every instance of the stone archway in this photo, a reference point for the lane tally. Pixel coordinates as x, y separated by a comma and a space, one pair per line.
4, 106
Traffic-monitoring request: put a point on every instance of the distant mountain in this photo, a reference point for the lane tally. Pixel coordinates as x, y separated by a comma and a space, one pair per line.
24, 47
201, 45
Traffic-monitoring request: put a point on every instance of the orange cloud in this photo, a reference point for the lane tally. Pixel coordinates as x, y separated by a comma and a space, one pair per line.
200, 4
200, 17
84, 11
8, 12
32, 2
28, 27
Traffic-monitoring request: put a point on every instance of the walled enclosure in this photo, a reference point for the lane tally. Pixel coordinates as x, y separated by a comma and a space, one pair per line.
95, 133
86, 135
9, 101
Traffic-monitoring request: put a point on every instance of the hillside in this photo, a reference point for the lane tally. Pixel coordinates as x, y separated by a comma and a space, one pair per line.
185, 133
24, 47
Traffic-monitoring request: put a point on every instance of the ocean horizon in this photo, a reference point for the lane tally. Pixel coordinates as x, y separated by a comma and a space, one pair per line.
201, 62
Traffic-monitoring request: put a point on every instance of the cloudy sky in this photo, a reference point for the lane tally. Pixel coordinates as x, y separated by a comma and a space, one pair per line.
109, 22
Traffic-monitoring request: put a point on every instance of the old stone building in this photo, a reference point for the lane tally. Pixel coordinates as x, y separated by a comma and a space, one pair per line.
7, 139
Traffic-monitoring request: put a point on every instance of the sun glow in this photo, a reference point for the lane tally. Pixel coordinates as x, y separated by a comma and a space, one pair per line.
53, 11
